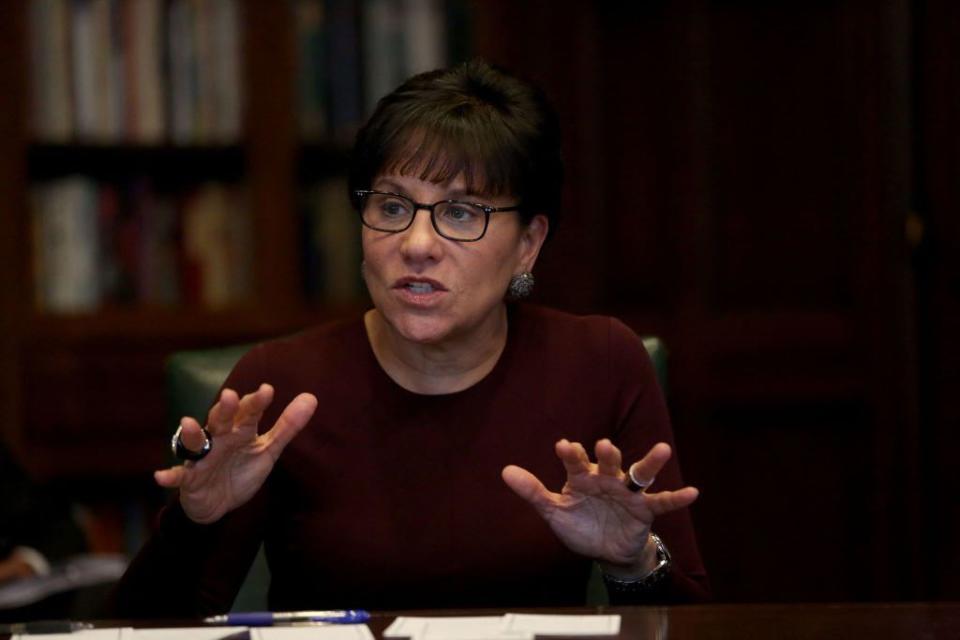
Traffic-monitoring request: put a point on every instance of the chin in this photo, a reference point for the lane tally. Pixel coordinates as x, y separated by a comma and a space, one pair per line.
422, 330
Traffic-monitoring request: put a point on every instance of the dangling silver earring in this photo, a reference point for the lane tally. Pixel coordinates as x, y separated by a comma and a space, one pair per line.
521, 286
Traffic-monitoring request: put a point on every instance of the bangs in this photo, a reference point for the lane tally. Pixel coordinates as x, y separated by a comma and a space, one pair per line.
440, 152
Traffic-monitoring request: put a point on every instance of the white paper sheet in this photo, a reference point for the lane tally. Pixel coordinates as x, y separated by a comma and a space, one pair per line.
182, 633
298, 632
452, 628
563, 625
314, 632
85, 634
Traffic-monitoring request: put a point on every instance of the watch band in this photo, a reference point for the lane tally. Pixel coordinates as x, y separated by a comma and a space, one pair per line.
643, 584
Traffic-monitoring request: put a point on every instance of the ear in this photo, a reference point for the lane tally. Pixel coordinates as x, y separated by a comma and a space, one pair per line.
532, 238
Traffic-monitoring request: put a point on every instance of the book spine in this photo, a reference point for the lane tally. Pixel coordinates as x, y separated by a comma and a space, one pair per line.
49, 34
67, 250
343, 56
312, 73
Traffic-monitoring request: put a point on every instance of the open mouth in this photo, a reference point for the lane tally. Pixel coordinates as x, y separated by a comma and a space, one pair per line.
420, 287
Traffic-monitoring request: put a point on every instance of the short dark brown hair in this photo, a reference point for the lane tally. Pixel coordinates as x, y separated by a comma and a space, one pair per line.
473, 119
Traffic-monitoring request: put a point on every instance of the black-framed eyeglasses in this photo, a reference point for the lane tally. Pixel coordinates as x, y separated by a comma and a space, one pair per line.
452, 219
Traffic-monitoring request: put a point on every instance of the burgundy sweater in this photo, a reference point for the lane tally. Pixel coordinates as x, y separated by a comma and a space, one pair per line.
393, 500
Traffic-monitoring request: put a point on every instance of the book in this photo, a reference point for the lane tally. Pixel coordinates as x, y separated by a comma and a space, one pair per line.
226, 63
66, 245
217, 247
424, 35
384, 51
145, 112
85, 73
50, 93
136, 71
312, 71
182, 73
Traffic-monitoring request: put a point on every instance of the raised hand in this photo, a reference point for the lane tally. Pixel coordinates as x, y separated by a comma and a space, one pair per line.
240, 460
595, 514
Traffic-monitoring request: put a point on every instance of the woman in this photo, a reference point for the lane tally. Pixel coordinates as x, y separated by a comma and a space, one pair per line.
413, 452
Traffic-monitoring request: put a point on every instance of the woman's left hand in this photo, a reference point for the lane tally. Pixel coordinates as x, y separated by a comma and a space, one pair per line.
595, 514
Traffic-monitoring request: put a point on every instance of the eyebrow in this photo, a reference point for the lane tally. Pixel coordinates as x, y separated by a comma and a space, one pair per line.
453, 194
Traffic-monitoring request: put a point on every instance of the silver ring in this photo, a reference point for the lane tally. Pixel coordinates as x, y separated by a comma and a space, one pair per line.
634, 484
181, 452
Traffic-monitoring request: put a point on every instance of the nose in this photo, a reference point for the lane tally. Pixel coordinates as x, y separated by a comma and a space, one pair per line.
420, 240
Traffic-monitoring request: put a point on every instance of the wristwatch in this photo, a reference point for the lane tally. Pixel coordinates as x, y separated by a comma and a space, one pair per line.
643, 584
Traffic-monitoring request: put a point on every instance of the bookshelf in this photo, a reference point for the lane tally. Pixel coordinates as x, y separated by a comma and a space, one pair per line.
82, 375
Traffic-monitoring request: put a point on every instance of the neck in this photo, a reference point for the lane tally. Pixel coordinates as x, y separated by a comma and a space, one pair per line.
434, 369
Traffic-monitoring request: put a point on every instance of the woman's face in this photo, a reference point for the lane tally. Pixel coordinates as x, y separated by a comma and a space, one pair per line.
432, 290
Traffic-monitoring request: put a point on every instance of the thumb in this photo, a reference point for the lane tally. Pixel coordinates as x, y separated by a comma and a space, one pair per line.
169, 478
294, 418
527, 486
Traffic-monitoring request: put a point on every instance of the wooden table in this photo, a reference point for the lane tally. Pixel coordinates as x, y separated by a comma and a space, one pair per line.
898, 621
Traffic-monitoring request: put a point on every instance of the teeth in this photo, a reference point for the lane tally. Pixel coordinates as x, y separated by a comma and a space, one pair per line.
420, 287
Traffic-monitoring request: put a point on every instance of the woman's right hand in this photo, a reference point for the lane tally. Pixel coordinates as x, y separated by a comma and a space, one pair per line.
240, 460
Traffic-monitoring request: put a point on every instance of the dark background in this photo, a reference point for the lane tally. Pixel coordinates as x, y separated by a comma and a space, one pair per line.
771, 187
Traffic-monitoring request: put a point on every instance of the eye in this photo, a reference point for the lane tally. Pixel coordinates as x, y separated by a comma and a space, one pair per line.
394, 207
460, 213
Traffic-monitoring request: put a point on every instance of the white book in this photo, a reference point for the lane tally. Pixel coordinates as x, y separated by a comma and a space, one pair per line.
66, 245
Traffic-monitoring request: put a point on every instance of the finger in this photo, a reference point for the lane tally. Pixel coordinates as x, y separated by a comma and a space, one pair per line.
169, 478
666, 501
574, 457
527, 486
609, 461
294, 418
252, 406
647, 468
191, 435
220, 417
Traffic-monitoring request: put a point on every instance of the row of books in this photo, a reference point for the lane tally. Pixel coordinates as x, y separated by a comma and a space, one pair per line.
97, 245
103, 244
136, 71
169, 71
344, 70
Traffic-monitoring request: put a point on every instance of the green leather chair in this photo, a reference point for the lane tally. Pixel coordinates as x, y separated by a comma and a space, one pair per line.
193, 379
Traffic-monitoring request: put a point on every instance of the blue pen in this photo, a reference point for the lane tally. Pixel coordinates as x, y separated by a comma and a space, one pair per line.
268, 618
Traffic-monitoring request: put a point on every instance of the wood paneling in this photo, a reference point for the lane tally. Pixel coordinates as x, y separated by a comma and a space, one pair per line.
937, 260
754, 184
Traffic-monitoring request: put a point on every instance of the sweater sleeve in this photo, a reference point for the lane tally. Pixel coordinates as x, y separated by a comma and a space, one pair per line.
643, 421
188, 570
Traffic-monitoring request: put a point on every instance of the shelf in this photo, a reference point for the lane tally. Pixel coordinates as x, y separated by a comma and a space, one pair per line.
316, 160
125, 161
